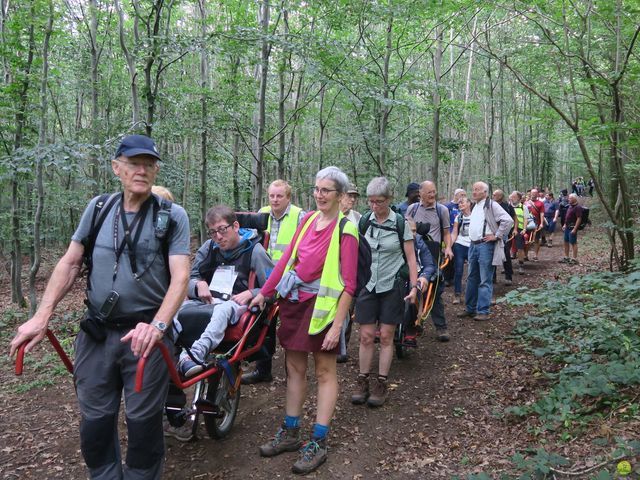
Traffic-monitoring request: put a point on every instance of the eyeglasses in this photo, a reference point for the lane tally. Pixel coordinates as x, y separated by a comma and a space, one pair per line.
220, 230
376, 202
148, 165
322, 191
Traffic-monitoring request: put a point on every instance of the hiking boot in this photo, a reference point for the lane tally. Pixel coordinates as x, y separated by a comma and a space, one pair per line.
188, 368
466, 314
182, 434
361, 393
550, 243
286, 440
521, 270
482, 317
564, 260
508, 281
442, 335
378, 393
573, 261
312, 455
456, 299
254, 377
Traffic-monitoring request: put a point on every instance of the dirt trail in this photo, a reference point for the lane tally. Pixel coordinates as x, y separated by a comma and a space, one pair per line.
439, 420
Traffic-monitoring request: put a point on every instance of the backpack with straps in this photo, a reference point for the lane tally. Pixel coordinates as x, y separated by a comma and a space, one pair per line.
364, 259
101, 209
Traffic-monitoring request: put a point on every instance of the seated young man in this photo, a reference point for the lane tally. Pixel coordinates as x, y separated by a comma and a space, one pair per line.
220, 276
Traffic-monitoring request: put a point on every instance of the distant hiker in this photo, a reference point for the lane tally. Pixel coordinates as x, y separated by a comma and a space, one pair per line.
570, 229
131, 304
412, 194
488, 226
461, 244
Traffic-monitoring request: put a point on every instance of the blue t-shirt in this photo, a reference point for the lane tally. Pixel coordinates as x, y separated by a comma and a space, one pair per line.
453, 214
550, 208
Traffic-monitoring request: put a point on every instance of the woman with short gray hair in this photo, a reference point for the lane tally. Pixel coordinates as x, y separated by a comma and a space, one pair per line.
316, 278
381, 302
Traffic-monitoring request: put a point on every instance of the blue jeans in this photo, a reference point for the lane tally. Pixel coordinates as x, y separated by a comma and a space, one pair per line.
480, 279
460, 254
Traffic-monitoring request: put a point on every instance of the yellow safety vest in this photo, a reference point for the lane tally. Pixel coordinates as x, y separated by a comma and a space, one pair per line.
287, 230
331, 283
520, 216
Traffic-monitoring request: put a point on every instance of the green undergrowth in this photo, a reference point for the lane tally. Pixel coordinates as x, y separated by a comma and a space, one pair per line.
587, 334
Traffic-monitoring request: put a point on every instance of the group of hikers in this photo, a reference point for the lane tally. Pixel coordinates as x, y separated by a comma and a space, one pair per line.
135, 245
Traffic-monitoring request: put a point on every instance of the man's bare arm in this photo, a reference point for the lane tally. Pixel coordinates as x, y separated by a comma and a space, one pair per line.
61, 280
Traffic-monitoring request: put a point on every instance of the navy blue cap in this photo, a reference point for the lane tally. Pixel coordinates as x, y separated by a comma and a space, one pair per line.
412, 187
137, 145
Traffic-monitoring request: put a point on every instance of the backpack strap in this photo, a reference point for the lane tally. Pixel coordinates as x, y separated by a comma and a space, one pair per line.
400, 225
363, 224
100, 211
164, 204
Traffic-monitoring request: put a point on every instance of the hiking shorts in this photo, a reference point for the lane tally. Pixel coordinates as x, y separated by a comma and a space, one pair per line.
569, 237
384, 308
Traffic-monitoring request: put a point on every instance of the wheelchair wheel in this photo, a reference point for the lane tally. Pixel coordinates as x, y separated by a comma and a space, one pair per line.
220, 393
398, 340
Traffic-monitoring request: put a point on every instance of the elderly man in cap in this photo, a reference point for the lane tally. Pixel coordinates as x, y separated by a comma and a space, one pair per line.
348, 202
136, 248
413, 196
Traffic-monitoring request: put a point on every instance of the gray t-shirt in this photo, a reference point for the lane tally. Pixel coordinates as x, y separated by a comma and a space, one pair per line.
149, 290
439, 221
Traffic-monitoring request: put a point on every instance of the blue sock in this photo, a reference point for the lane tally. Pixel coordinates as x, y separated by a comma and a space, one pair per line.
319, 431
291, 422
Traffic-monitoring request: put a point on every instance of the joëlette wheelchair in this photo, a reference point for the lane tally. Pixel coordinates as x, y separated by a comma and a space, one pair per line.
217, 388
415, 315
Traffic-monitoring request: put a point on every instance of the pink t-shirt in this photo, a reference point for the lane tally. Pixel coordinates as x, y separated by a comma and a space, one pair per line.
312, 253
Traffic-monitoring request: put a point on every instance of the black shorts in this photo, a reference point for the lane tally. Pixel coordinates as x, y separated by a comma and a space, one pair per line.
386, 308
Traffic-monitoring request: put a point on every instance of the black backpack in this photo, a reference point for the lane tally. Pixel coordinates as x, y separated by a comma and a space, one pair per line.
364, 259
101, 209
585, 218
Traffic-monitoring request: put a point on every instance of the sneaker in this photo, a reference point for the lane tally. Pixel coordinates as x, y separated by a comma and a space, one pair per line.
550, 243
361, 393
378, 393
182, 434
482, 317
508, 281
520, 270
456, 299
312, 455
286, 440
564, 260
254, 377
572, 261
188, 368
466, 314
342, 359
442, 335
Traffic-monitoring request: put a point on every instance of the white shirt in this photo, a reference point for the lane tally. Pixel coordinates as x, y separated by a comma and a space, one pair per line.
476, 225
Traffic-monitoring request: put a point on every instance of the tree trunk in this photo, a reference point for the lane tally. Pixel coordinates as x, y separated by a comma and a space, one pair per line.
435, 130
265, 51
42, 139
131, 67
204, 121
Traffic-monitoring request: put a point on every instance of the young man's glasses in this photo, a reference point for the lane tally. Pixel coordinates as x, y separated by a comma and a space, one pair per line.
218, 231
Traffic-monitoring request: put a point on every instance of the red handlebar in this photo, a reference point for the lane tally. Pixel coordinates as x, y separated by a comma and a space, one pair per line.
56, 345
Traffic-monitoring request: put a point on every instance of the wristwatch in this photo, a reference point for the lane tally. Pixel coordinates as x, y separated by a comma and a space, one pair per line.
159, 325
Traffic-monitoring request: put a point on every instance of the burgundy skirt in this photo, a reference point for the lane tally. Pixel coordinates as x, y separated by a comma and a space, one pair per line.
294, 327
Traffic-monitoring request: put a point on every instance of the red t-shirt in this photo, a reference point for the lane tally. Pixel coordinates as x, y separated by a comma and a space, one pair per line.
573, 214
536, 207
312, 253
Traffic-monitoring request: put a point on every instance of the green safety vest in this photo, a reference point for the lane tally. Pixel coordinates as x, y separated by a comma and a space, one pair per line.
331, 283
287, 230
520, 216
